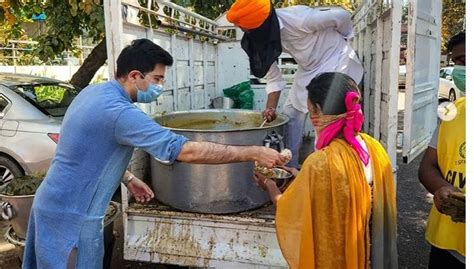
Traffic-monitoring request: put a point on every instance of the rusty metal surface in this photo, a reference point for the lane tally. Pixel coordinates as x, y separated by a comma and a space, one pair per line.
264, 215
157, 233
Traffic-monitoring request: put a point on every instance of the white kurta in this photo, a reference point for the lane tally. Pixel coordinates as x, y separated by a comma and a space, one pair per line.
318, 40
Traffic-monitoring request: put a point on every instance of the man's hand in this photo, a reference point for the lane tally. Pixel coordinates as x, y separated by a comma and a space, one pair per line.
272, 102
140, 190
268, 157
213, 153
455, 206
269, 114
442, 194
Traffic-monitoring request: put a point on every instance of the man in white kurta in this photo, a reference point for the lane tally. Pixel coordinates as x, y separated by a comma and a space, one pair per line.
318, 39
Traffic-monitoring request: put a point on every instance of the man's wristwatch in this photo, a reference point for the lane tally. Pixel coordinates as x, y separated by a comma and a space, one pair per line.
127, 179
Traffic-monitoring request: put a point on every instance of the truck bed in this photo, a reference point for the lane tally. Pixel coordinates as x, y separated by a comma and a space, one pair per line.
264, 215
160, 234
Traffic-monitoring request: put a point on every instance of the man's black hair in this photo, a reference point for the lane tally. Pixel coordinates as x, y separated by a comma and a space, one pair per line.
457, 39
142, 55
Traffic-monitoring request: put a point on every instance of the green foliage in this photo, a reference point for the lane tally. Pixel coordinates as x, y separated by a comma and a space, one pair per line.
208, 8
24, 54
65, 22
453, 20
68, 21
13, 15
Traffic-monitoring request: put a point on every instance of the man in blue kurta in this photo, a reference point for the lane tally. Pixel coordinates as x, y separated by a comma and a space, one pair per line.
99, 132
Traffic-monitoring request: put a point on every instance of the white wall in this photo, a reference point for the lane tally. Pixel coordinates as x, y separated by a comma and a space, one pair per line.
377, 43
63, 73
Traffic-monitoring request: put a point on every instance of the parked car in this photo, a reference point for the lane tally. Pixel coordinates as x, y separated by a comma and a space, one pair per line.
447, 89
31, 111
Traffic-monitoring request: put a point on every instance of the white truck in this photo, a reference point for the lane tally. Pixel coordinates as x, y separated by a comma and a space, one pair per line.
208, 58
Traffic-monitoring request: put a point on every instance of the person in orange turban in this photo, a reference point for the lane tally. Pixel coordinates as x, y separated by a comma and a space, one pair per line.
318, 39
261, 40
249, 14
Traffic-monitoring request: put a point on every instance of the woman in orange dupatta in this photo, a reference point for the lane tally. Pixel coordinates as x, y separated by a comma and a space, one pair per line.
340, 211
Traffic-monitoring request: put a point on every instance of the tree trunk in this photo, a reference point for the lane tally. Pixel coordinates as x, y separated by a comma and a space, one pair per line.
91, 64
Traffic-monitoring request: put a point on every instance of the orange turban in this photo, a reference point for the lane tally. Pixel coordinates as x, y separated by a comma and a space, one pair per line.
249, 14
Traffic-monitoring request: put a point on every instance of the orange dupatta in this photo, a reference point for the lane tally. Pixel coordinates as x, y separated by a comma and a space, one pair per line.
322, 219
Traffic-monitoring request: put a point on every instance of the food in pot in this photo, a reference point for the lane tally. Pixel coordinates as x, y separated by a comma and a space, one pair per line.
25, 185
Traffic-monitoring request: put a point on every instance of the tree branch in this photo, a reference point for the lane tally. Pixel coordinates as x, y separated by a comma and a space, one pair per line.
91, 64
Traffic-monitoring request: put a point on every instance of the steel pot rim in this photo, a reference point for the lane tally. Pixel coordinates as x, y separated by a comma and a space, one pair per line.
202, 111
16, 196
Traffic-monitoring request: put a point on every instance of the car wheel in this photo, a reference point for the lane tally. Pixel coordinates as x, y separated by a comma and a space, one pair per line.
452, 95
8, 171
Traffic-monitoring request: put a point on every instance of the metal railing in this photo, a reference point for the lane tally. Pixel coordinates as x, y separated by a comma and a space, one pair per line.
14, 51
164, 14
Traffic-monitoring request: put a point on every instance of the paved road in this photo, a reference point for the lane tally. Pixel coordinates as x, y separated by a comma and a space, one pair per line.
414, 203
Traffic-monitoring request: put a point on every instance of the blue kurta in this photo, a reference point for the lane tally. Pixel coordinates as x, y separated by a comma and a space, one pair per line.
99, 132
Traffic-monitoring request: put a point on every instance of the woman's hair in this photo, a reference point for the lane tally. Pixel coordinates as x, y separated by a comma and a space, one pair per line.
328, 91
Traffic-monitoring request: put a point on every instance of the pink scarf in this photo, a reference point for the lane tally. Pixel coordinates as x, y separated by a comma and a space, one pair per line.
350, 123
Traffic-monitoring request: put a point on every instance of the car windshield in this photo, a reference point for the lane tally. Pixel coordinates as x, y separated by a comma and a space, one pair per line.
51, 99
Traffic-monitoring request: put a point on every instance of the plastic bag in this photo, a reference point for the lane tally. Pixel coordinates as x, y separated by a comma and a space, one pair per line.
242, 94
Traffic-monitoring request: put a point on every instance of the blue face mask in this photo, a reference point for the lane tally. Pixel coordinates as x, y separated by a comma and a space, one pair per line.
150, 94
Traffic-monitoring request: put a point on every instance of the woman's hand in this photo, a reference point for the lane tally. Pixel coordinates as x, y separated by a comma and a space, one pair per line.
263, 181
140, 190
292, 170
268, 185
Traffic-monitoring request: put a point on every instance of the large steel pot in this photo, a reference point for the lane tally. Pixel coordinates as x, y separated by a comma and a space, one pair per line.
109, 239
218, 189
